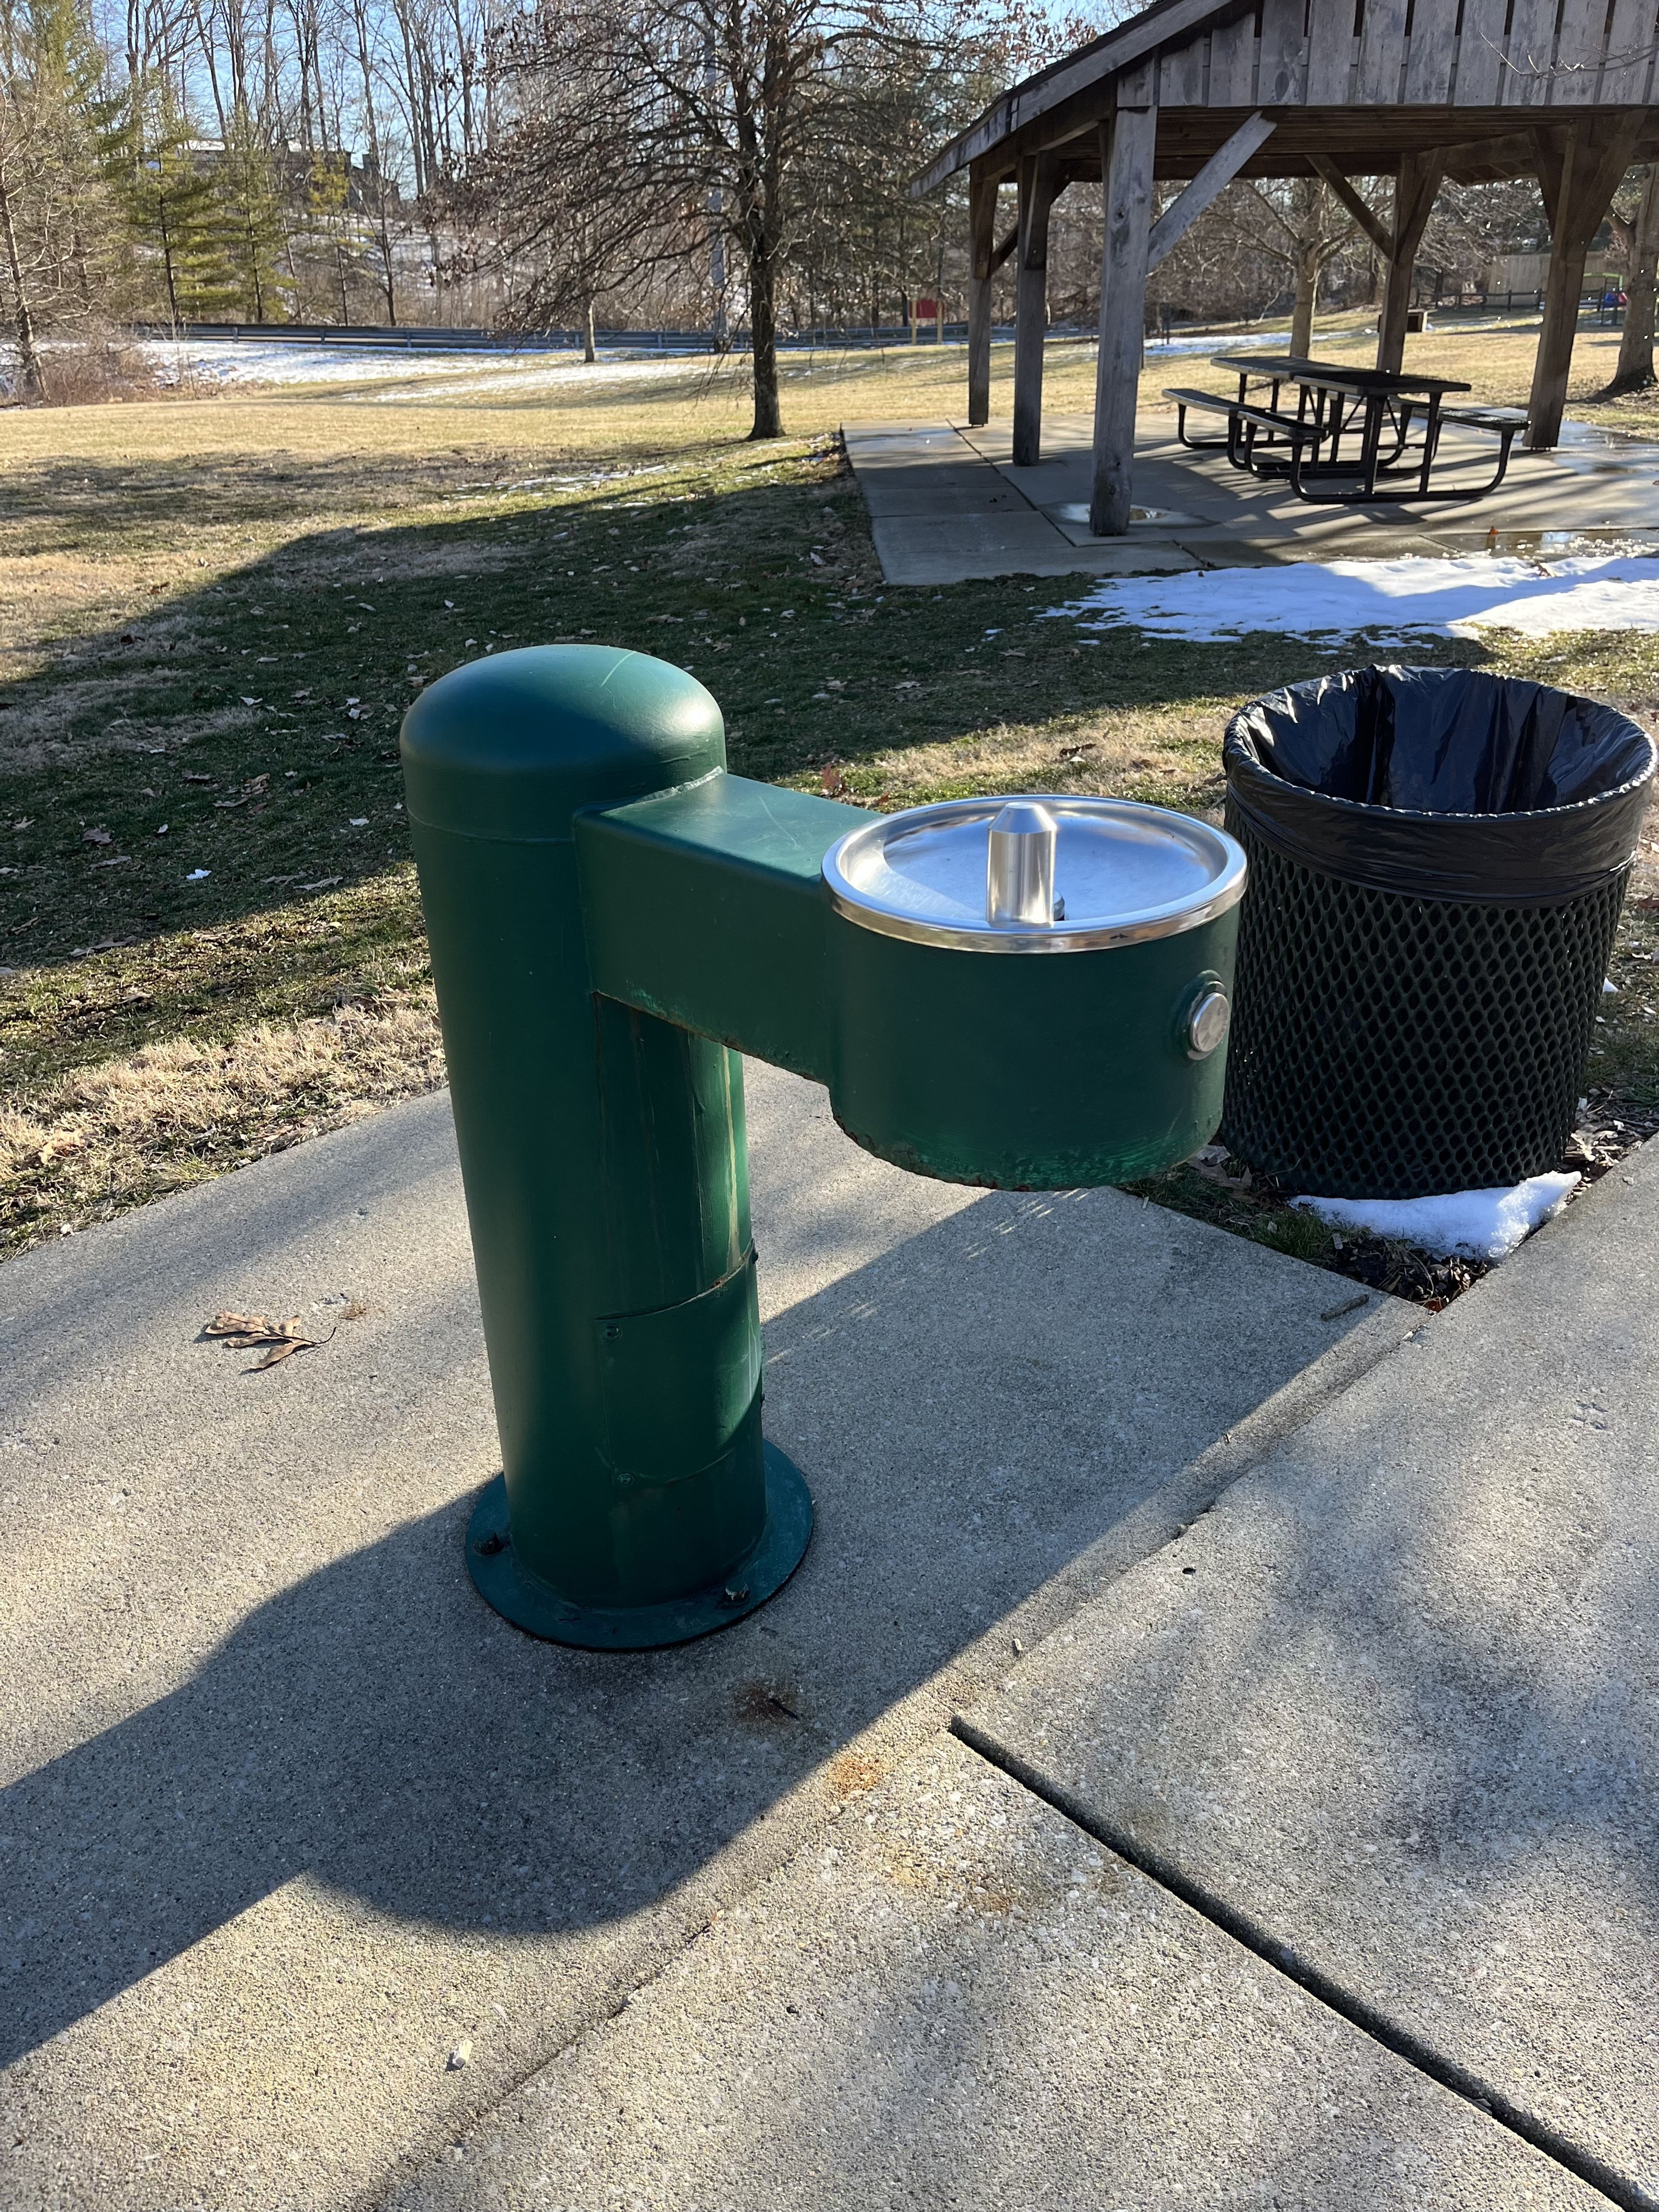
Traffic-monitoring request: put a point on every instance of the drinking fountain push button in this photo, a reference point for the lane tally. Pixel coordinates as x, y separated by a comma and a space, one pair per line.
1019, 866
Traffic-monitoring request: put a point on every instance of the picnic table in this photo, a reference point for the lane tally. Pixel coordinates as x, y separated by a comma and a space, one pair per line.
1372, 410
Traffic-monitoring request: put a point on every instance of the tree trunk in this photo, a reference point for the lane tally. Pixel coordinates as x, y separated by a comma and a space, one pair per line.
1307, 293
764, 335
28, 357
1635, 369
166, 259
588, 350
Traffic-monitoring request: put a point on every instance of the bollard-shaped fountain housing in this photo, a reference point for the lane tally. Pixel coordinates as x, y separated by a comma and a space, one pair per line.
613, 920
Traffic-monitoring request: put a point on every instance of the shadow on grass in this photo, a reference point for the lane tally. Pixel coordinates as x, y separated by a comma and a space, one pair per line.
234, 747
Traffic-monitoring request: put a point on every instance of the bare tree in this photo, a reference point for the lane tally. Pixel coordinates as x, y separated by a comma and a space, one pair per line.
376, 178
1636, 236
667, 122
1300, 224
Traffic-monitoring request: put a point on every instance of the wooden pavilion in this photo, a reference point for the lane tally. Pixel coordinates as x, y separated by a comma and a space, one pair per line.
1208, 90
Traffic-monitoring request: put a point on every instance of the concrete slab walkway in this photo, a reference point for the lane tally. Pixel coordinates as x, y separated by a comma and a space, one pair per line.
960, 2002
1393, 1706
941, 510
1310, 1865
307, 1859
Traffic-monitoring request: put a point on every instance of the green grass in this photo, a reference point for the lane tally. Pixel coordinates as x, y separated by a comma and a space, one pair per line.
205, 657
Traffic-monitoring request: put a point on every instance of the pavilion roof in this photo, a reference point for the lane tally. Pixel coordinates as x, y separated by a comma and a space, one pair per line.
1355, 82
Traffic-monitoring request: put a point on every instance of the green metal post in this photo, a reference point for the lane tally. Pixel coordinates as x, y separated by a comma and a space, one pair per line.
612, 920
602, 1155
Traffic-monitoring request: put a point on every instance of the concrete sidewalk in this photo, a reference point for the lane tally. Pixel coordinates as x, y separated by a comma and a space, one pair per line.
1311, 1864
307, 1858
947, 504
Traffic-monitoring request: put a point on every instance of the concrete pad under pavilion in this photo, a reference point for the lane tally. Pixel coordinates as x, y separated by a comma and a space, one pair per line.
949, 502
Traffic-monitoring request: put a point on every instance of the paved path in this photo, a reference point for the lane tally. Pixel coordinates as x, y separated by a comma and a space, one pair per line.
289, 1816
947, 504
1394, 1706
1311, 1864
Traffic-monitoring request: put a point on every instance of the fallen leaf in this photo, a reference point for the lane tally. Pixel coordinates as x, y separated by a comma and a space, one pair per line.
323, 883
833, 783
95, 837
280, 1352
248, 1332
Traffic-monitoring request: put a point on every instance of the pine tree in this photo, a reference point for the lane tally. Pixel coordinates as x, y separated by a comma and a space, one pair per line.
171, 207
252, 226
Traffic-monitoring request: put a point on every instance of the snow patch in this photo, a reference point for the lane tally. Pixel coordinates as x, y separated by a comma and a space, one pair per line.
1240, 341
1390, 601
1487, 1224
236, 361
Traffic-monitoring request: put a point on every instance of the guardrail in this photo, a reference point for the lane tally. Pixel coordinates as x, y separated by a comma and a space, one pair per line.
415, 338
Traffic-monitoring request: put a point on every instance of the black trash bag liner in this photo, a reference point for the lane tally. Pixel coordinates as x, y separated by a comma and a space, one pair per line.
1442, 783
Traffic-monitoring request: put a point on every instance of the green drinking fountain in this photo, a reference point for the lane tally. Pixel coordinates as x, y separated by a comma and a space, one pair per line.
1024, 993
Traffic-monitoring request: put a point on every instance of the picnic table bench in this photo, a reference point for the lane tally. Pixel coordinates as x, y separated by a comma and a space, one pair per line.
1334, 402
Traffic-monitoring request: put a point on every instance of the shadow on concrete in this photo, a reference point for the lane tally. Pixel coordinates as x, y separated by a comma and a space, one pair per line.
1392, 1706
976, 1407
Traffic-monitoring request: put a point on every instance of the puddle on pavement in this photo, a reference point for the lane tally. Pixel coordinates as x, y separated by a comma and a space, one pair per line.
1589, 450
1162, 517
1553, 544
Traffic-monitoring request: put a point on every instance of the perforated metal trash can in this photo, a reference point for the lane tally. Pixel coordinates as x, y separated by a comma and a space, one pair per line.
1438, 858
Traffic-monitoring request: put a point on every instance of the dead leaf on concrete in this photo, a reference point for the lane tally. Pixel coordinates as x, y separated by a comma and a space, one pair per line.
244, 1332
285, 1350
247, 1332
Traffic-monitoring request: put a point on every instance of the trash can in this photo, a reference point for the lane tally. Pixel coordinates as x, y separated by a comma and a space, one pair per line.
1437, 859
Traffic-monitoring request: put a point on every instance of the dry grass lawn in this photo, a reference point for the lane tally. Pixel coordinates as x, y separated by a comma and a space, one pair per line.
212, 613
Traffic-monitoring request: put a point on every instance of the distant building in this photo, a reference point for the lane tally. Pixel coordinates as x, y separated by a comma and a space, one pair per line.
297, 165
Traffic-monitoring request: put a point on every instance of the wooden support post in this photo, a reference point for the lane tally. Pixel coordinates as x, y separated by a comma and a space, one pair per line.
1380, 236
1579, 175
982, 234
1414, 188
1128, 139
1036, 196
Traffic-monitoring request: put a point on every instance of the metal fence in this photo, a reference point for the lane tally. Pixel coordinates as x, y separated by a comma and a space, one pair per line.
433, 337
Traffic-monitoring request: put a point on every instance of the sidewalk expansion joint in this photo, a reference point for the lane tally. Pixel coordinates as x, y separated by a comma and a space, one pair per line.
1583, 2165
